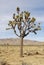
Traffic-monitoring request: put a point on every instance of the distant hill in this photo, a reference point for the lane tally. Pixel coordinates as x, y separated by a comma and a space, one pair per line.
17, 42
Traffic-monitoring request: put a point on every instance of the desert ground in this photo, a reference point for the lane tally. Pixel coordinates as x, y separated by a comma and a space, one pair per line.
33, 55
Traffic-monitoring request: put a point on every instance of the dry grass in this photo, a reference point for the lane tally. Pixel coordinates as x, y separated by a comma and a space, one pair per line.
33, 55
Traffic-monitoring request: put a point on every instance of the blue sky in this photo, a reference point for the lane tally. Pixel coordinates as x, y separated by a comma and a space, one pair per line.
8, 7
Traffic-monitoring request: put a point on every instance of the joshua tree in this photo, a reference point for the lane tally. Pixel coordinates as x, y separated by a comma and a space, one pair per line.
24, 25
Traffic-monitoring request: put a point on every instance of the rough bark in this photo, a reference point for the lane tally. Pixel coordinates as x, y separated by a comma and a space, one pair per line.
21, 47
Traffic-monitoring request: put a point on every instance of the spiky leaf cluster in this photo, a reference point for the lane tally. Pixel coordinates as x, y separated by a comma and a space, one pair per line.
24, 23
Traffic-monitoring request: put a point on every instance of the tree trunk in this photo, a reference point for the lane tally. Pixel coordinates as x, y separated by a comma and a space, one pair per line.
21, 47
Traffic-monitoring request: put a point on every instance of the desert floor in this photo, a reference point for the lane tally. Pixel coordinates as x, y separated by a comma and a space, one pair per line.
33, 55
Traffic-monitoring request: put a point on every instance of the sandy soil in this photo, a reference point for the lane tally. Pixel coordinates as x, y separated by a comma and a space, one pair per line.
11, 54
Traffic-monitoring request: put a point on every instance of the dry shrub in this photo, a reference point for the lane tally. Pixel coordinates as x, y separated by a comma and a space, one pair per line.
24, 63
37, 52
4, 63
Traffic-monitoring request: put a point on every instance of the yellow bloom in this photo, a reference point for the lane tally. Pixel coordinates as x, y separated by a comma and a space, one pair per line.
33, 19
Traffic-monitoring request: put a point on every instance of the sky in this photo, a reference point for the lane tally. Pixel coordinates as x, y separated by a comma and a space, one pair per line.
8, 7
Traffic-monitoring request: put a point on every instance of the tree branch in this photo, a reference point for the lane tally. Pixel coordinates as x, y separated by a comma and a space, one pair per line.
17, 34
34, 30
31, 31
26, 34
